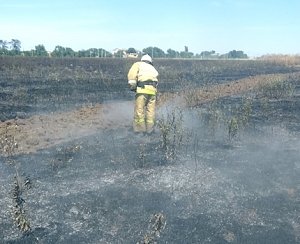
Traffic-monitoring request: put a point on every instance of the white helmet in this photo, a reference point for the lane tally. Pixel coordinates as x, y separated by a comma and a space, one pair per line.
146, 57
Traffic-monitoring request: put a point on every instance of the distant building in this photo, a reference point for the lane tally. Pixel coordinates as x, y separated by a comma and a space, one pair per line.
122, 53
118, 52
132, 55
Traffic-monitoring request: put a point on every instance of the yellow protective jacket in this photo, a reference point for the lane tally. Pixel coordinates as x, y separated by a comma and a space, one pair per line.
142, 71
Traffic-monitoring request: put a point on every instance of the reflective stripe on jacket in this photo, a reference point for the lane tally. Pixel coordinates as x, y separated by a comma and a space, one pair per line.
142, 71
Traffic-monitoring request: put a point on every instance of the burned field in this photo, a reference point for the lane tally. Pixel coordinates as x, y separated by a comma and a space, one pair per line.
222, 167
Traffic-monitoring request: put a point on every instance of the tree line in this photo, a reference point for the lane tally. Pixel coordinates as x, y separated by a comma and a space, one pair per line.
13, 48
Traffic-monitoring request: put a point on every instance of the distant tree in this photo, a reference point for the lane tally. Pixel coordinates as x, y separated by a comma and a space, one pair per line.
15, 46
105, 53
69, 52
119, 54
186, 54
208, 54
40, 51
3, 44
82, 53
241, 54
131, 50
224, 56
97, 52
30, 53
237, 54
58, 51
232, 54
154, 52
172, 53
3, 47
93, 52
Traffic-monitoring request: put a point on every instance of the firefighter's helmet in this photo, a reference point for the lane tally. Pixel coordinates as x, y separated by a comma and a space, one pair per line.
146, 57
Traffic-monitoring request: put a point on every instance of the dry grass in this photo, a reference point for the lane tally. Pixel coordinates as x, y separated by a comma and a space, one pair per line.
282, 59
199, 96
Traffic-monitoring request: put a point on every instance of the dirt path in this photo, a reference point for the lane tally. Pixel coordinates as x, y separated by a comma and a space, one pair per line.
41, 131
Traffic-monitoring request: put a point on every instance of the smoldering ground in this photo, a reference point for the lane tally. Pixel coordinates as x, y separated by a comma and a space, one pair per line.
107, 187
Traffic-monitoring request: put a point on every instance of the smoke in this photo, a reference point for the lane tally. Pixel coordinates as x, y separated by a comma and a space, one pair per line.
260, 164
119, 111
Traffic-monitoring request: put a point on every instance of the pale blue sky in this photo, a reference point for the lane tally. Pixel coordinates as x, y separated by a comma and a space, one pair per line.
255, 26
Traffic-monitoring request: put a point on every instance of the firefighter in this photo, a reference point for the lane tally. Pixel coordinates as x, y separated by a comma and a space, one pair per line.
142, 78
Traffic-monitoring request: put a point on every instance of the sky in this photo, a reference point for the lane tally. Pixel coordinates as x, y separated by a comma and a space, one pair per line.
257, 27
